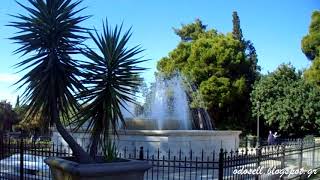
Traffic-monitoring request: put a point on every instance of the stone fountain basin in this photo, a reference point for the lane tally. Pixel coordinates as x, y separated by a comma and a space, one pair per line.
151, 124
175, 141
179, 140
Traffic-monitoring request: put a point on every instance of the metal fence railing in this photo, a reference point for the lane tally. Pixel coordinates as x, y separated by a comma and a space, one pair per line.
22, 159
227, 165
251, 142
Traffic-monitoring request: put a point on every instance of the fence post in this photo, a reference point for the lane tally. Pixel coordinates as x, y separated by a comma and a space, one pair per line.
301, 154
283, 155
313, 153
21, 159
221, 160
247, 145
141, 153
258, 155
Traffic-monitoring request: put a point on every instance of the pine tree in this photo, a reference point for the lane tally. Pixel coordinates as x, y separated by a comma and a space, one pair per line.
191, 31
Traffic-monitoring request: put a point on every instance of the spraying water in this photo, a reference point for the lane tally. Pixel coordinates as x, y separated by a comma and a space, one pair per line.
170, 102
167, 106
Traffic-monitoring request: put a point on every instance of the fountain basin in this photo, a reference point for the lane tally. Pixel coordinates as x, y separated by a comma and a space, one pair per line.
179, 140
151, 124
173, 140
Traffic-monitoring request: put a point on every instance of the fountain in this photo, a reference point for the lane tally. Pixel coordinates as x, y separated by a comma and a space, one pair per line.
168, 108
167, 124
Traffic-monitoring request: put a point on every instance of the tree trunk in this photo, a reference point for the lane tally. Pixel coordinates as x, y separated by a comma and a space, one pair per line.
78, 152
80, 155
95, 137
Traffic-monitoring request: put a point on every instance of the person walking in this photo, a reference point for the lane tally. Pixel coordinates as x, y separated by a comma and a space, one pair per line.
270, 138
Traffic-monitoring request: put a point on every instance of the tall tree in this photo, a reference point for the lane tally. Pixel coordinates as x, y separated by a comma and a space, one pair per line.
236, 30
218, 67
310, 45
50, 34
246, 46
286, 102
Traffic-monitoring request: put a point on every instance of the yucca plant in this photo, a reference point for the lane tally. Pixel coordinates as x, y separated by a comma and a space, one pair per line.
50, 33
111, 153
112, 77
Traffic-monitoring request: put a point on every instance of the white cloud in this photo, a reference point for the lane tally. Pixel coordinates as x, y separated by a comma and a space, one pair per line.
11, 78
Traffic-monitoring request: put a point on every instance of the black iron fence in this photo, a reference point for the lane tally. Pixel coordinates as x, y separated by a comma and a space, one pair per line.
268, 162
22, 159
251, 141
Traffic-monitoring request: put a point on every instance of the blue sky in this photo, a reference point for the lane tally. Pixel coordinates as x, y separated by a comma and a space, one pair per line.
275, 27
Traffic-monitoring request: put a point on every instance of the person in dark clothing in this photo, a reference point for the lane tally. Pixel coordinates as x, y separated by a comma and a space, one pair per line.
270, 138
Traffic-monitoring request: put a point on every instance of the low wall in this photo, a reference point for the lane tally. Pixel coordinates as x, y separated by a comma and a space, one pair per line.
165, 140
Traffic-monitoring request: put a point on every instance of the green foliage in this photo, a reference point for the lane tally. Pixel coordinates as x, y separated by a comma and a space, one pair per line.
31, 124
221, 69
110, 151
310, 45
312, 74
285, 101
8, 117
112, 78
236, 31
308, 139
191, 31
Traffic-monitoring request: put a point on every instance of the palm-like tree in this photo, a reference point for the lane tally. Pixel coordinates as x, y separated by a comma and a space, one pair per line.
49, 34
112, 77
